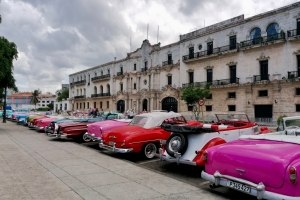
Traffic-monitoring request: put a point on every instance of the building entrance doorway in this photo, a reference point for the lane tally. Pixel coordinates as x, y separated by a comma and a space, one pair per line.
169, 103
121, 106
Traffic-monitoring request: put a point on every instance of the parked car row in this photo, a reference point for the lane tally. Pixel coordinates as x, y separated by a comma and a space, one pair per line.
233, 151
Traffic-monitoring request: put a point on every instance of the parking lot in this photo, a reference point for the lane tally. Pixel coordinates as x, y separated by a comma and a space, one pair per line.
34, 166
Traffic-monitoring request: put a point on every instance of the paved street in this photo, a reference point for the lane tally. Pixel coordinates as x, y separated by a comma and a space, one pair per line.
34, 166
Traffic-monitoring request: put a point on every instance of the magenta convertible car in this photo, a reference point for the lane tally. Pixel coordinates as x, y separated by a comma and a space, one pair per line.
266, 166
95, 130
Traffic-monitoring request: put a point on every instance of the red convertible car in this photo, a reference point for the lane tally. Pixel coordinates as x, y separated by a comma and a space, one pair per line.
142, 134
74, 130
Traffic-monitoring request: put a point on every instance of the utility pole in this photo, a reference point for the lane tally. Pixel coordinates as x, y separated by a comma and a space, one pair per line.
4, 107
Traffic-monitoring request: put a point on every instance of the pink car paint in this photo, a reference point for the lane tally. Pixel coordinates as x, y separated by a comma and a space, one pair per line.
95, 130
262, 164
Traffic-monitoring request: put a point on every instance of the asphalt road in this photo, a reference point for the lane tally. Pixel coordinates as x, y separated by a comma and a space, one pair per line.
186, 173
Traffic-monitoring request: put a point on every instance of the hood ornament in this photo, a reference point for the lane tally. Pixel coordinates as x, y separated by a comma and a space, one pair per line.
240, 170
113, 137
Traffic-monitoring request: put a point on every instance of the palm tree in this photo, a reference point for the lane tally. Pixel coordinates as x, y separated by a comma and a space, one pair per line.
35, 98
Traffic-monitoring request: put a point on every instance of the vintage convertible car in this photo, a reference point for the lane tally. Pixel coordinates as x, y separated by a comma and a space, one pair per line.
187, 144
95, 130
142, 134
266, 166
33, 123
74, 130
42, 123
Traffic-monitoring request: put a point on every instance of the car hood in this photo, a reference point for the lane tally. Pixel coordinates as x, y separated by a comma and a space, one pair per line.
254, 160
106, 125
122, 133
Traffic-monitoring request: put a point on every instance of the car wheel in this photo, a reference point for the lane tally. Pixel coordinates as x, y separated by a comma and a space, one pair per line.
176, 143
86, 138
150, 150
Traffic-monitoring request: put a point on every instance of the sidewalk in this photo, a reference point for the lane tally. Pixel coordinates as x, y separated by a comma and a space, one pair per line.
33, 166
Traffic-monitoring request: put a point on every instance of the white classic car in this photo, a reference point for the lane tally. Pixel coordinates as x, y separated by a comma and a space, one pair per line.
187, 144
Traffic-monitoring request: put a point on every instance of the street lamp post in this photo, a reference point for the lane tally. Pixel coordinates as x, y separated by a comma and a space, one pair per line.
4, 107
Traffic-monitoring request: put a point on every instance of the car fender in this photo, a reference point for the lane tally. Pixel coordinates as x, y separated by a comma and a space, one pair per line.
199, 159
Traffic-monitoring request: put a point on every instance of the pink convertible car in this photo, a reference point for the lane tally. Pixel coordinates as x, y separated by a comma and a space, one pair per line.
266, 166
95, 130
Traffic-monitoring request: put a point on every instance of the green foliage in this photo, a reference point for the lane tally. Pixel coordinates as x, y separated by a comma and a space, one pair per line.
280, 118
42, 109
62, 95
35, 97
50, 106
8, 52
192, 94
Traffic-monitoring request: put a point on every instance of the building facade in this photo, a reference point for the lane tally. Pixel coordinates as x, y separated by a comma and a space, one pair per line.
252, 66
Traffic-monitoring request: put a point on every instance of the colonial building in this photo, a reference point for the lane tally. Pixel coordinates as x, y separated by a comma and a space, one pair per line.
252, 66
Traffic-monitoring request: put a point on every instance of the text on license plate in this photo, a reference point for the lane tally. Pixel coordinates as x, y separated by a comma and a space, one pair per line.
238, 186
111, 143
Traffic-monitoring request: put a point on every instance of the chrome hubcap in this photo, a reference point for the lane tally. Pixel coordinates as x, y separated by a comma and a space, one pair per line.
175, 143
150, 150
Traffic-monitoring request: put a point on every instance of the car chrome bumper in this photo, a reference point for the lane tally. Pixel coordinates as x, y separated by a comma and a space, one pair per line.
60, 136
114, 149
92, 136
257, 190
177, 159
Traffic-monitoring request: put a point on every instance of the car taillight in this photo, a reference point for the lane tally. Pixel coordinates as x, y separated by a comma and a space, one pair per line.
293, 175
205, 154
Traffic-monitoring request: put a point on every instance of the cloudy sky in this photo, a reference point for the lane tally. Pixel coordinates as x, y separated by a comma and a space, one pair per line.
58, 37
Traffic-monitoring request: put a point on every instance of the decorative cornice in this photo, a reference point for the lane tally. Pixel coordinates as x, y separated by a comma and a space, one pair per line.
169, 52
190, 70
297, 16
231, 63
168, 67
297, 52
209, 67
169, 74
232, 33
209, 39
190, 45
263, 57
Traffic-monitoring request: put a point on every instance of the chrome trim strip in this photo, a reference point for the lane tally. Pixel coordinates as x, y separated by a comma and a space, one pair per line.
114, 149
175, 160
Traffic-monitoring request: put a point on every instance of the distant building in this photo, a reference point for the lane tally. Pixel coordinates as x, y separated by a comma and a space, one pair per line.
64, 104
19, 100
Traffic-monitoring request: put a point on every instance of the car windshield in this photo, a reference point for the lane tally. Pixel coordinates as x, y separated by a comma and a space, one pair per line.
292, 122
232, 117
139, 120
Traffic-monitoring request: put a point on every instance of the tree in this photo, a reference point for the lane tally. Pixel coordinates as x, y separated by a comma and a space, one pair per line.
8, 52
50, 106
192, 94
35, 98
62, 95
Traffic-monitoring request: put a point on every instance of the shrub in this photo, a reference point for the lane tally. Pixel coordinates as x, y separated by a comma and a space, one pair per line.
280, 118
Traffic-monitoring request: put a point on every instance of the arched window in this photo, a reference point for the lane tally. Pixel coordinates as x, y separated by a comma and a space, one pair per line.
101, 89
101, 73
255, 33
95, 74
108, 89
95, 90
273, 29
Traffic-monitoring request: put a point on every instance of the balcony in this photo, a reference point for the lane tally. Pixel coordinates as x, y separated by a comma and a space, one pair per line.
79, 97
226, 81
293, 75
82, 82
100, 95
196, 84
293, 34
103, 77
144, 69
259, 78
259, 41
207, 53
119, 73
169, 62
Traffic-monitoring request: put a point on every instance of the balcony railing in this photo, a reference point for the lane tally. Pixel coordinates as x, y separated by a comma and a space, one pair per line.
196, 84
101, 95
119, 73
293, 74
226, 81
144, 69
262, 40
217, 50
101, 77
293, 33
168, 62
257, 78
78, 82
79, 97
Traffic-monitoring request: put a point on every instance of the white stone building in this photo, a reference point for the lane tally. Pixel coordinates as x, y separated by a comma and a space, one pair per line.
251, 64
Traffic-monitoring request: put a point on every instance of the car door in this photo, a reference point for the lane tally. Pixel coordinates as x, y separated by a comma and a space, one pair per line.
229, 135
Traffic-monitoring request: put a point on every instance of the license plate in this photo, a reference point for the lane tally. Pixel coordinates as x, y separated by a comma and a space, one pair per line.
238, 186
111, 143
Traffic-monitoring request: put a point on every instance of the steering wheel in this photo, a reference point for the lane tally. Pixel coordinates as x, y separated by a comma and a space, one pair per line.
291, 127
